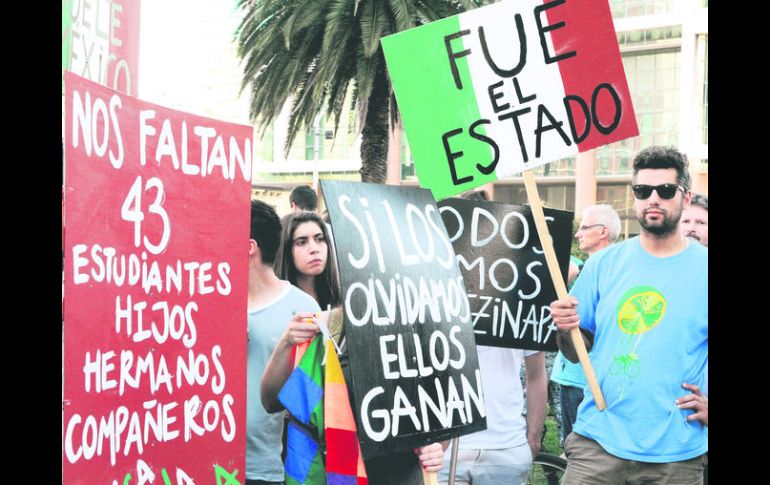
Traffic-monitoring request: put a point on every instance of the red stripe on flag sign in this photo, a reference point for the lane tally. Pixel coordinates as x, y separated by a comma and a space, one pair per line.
586, 49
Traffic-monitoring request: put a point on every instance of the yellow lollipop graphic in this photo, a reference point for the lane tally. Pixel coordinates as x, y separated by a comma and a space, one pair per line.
640, 310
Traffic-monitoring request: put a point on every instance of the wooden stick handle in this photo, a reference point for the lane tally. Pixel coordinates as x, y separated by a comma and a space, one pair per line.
558, 283
453, 460
430, 478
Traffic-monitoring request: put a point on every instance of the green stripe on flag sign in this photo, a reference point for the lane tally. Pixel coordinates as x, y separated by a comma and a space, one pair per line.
66, 33
437, 109
66, 37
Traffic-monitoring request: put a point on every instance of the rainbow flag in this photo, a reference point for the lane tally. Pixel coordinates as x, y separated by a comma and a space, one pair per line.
302, 395
344, 463
317, 397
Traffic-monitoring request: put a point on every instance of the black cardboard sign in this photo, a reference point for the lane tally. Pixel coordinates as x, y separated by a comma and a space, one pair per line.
504, 269
413, 360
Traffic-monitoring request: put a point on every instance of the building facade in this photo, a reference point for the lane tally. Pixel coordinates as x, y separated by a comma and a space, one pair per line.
664, 46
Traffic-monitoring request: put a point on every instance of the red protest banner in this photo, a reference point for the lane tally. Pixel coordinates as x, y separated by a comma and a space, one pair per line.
157, 211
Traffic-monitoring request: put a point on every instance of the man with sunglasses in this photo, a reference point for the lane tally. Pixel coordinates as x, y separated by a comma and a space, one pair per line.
642, 309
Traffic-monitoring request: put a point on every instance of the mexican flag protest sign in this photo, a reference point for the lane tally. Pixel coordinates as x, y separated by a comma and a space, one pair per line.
508, 87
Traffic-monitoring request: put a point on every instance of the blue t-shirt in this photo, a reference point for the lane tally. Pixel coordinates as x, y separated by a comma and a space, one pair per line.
649, 317
566, 373
264, 431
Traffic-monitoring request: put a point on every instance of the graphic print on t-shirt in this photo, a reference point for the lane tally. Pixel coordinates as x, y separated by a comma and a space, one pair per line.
640, 309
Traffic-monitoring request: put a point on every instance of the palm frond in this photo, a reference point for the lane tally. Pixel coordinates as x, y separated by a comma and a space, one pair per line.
318, 54
366, 70
372, 21
339, 86
304, 14
340, 24
403, 13
430, 10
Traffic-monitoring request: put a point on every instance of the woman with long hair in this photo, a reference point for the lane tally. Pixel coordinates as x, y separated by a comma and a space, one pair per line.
305, 258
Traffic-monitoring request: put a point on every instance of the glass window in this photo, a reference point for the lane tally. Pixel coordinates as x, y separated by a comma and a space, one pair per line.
310, 139
339, 143
264, 148
299, 148
645, 63
554, 196
657, 102
322, 139
667, 62
510, 194
629, 63
702, 47
645, 80
620, 198
631, 8
557, 168
653, 79
651, 37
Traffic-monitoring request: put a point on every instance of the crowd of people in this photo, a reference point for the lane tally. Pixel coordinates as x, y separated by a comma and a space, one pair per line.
292, 275
638, 304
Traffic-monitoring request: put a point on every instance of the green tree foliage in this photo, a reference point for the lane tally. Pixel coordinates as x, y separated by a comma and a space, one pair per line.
311, 51
575, 250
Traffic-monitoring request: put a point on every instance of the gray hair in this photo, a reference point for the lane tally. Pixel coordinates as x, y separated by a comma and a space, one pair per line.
606, 215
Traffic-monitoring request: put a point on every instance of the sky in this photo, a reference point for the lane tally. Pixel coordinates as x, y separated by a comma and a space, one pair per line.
187, 60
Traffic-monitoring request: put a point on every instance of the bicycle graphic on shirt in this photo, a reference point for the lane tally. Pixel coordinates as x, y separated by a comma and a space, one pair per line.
625, 364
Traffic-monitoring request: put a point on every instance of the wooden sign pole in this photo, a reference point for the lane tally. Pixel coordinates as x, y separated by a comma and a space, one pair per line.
430, 478
558, 283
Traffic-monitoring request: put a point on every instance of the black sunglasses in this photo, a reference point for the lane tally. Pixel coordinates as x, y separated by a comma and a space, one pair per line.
665, 191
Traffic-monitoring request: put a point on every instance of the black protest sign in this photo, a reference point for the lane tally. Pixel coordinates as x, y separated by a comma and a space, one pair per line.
500, 256
413, 360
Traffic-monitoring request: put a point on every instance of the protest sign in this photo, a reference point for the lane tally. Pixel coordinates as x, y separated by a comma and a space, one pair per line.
157, 211
503, 265
506, 88
413, 359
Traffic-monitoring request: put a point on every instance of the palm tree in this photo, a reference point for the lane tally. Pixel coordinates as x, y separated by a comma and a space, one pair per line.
312, 50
